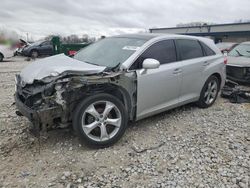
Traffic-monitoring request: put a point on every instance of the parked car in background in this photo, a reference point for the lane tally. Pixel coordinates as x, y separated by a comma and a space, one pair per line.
119, 79
41, 48
238, 67
5, 52
226, 46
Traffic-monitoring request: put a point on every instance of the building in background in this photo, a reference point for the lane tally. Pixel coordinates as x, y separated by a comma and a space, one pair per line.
232, 32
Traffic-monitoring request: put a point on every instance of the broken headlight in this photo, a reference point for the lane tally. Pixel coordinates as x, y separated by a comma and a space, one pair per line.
49, 90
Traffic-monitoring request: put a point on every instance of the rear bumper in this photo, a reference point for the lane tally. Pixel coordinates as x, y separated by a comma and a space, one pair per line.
38, 117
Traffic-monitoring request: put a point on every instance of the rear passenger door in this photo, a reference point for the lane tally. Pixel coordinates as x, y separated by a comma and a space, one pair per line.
46, 48
157, 89
192, 64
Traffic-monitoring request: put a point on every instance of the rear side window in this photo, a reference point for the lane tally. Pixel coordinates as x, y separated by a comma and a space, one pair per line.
208, 51
46, 43
189, 49
163, 51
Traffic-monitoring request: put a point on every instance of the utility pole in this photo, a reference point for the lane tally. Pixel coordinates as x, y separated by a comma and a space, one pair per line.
27, 35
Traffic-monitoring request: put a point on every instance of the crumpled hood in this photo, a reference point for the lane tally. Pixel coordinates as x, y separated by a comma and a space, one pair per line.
54, 66
238, 61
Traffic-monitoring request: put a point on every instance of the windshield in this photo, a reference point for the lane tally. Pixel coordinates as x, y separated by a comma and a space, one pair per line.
109, 52
240, 50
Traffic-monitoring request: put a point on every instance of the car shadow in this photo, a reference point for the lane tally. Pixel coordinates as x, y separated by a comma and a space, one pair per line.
7, 61
162, 115
68, 138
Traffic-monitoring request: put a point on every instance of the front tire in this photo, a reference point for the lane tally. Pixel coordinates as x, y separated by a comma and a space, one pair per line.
100, 120
209, 92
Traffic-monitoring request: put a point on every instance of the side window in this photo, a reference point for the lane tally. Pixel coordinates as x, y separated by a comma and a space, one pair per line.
189, 49
208, 51
163, 51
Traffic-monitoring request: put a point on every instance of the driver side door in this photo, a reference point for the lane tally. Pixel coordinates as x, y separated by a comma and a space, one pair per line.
158, 89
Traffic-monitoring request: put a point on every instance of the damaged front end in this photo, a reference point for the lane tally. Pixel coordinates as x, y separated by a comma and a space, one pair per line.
235, 93
40, 102
238, 74
50, 104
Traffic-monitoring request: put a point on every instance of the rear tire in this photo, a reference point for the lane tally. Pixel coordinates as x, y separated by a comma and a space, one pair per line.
209, 92
100, 120
1, 57
34, 54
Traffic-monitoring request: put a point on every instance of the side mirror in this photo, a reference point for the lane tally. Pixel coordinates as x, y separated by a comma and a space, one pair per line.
149, 64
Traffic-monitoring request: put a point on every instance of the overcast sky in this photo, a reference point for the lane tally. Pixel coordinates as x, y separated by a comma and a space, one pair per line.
108, 17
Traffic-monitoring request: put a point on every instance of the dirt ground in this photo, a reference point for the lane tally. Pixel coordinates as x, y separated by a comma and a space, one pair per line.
185, 147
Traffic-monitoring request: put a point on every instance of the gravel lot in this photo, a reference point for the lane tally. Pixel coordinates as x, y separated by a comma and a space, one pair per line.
185, 147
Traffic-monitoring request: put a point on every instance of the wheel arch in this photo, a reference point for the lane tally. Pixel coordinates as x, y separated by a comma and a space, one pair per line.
123, 95
107, 88
218, 76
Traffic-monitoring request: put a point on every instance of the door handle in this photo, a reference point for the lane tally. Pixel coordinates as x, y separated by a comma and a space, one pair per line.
206, 63
177, 71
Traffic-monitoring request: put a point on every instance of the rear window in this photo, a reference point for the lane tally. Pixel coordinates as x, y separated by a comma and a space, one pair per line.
208, 51
189, 49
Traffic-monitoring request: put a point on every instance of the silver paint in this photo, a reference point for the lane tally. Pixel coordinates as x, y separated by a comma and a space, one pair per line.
54, 66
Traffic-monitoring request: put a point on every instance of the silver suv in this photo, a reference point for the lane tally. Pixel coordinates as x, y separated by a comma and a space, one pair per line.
119, 79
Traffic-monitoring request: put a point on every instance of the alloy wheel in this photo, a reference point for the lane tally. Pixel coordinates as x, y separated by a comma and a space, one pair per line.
101, 120
211, 92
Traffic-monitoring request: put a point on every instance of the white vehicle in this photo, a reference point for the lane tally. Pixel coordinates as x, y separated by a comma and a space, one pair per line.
5, 52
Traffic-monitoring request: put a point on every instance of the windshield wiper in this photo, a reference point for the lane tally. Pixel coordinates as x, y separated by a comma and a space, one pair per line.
91, 63
239, 53
115, 67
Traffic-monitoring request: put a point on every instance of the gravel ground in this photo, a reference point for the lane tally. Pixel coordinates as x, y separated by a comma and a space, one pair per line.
184, 147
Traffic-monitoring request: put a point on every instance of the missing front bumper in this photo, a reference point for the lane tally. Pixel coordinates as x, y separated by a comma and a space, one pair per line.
238, 74
38, 117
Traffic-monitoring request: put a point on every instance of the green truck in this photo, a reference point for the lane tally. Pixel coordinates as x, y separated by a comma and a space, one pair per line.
67, 49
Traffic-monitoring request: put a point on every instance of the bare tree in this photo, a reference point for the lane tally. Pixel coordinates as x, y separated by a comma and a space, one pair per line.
73, 38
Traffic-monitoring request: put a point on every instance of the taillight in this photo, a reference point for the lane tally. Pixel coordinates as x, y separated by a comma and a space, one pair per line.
225, 60
72, 52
